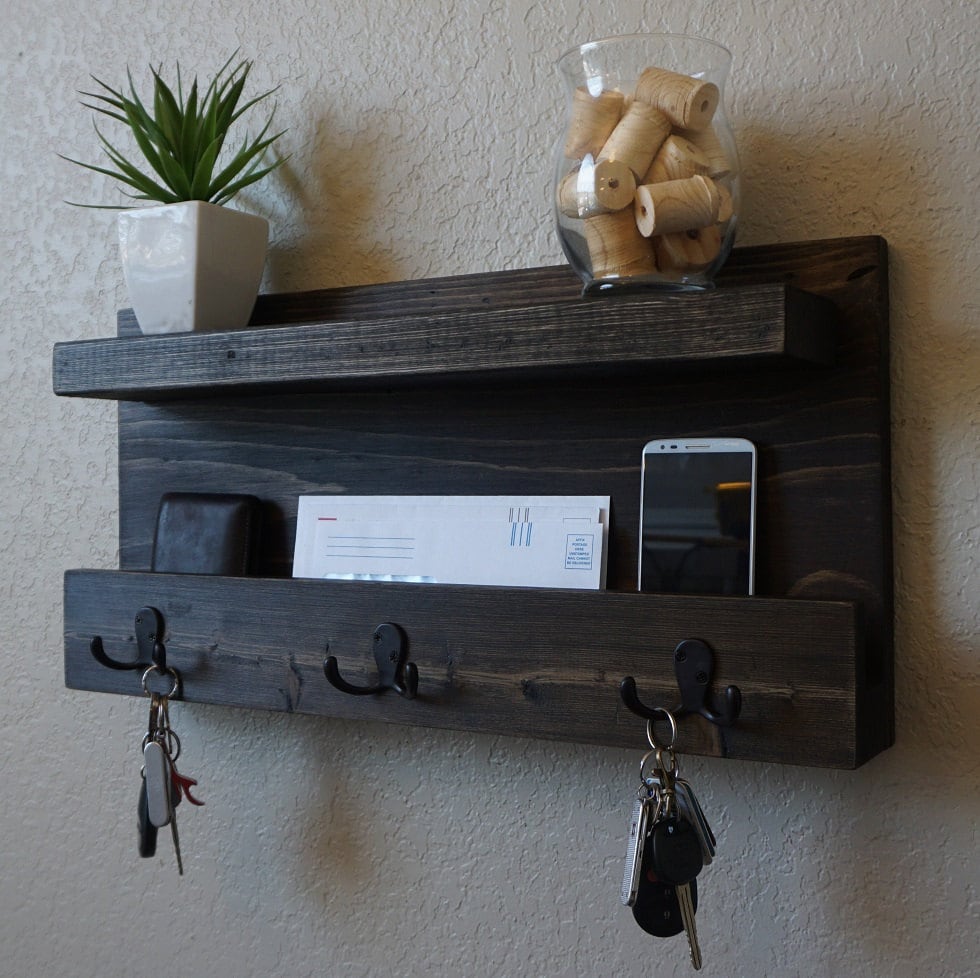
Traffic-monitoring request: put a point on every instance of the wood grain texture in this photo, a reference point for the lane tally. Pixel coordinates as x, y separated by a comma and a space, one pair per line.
610, 334
524, 662
822, 431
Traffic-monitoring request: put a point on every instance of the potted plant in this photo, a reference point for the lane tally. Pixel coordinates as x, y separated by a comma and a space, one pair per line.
190, 263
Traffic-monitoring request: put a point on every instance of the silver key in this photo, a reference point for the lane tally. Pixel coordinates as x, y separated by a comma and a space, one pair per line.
646, 810
156, 770
156, 773
681, 782
174, 836
161, 748
677, 859
639, 824
171, 745
673, 856
690, 809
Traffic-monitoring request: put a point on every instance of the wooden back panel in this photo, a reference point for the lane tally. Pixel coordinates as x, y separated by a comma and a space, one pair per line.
824, 528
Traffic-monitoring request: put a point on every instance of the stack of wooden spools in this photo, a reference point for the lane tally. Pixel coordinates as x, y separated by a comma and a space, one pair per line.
651, 181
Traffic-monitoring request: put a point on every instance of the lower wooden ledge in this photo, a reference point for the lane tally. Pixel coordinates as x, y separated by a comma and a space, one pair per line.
526, 662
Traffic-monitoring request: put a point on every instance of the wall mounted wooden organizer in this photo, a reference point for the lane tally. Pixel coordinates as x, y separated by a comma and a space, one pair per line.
511, 383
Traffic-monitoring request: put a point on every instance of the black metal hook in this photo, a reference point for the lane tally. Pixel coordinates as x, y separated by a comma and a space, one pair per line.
149, 631
394, 670
693, 666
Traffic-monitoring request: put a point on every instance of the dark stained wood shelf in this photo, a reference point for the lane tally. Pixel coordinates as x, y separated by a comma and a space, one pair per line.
511, 383
520, 661
732, 326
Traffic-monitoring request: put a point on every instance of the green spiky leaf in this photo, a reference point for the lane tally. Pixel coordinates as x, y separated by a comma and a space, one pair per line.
179, 142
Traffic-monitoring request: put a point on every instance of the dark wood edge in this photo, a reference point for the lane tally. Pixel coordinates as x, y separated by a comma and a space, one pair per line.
794, 660
626, 333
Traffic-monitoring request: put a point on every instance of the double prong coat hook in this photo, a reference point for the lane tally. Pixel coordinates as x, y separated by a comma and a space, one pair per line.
149, 631
693, 666
394, 670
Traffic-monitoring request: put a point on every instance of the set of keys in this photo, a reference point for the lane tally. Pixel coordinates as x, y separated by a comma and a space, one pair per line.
162, 787
670, 842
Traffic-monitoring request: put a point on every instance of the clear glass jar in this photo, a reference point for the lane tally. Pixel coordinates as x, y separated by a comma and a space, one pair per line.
647, 176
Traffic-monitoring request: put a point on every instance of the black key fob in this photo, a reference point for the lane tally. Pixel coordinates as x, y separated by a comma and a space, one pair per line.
675, 851
657, 909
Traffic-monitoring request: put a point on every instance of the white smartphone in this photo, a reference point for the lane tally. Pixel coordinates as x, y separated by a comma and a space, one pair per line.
697, 516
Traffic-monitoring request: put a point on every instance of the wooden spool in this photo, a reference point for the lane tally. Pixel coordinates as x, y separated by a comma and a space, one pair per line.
616, 247
688, 251
688, 102
726, 206
709, 144
637, 137
593, 118
589, 190
677, 159
676, 205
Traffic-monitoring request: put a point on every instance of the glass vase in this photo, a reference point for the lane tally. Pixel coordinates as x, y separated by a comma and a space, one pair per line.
647, 178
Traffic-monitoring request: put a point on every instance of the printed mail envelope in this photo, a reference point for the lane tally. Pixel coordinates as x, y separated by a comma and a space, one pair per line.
530, 542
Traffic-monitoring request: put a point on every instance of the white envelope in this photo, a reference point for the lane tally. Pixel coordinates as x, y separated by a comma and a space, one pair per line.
541, 541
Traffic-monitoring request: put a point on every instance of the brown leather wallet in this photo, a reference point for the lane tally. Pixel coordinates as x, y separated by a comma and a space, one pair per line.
207, 533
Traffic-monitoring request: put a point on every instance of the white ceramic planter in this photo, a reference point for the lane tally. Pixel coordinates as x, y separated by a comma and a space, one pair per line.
192, 266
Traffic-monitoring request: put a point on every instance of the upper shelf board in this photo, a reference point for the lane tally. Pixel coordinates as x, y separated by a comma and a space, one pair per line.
527, 324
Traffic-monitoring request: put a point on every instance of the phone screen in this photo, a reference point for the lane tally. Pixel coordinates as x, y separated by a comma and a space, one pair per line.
696, 521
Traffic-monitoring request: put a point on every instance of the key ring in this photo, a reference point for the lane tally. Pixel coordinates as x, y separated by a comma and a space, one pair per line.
169, 671
673, 730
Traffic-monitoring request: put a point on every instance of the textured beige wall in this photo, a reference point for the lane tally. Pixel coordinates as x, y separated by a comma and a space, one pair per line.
421, 135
